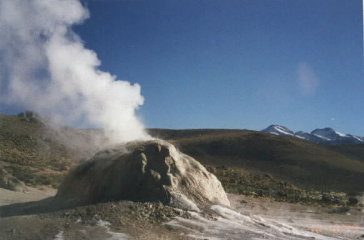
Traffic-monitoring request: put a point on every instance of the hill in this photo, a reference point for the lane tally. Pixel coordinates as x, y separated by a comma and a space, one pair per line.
355, 151
37, 154
251, 154
247, 162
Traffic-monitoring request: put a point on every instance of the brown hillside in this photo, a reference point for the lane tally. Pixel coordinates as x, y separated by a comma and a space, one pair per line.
294, 160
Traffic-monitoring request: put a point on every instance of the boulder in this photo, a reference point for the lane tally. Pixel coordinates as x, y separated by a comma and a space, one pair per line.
143, 171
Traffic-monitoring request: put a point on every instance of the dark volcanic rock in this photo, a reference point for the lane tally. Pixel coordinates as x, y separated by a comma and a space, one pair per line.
143, 171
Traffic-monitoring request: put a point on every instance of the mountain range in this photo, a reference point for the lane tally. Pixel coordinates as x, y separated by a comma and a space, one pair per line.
327, 136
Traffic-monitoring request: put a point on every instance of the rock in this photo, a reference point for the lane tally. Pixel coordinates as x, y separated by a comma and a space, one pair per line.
152, 171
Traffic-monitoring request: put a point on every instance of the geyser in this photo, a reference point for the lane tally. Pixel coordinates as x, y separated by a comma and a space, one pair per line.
143, 171
45, 67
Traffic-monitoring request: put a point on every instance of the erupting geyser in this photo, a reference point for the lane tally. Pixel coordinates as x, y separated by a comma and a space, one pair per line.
45, 67
143, 171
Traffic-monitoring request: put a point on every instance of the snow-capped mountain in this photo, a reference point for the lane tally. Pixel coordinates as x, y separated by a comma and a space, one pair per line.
335, 137
328, 134
309, 137
278, 130
320, 135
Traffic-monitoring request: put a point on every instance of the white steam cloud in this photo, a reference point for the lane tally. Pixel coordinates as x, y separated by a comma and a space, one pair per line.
45, 67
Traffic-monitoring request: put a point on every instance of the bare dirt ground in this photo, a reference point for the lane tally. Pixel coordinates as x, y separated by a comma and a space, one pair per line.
31, 194
330, 221
252, 218
30, 216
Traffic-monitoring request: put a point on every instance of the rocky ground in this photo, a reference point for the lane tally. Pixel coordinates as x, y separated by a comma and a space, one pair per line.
334, 221
253, 218
116, 220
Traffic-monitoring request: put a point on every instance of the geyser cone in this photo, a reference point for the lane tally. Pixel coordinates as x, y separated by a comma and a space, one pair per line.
143, 171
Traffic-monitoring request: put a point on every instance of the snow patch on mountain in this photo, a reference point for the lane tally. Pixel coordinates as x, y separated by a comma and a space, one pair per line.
328, 133
278, 130
319, 135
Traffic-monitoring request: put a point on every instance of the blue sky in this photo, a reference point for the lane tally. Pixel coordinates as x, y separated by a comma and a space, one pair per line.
241, 64
236, 63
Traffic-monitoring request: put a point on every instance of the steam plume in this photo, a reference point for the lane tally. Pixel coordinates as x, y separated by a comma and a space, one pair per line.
45, 67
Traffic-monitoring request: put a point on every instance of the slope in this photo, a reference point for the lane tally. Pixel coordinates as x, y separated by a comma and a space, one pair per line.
296, 161
36, 154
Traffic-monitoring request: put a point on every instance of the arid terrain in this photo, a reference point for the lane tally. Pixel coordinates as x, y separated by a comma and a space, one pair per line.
279, 187
250, 218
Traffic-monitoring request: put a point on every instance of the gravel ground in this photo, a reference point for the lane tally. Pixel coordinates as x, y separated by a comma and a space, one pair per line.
132, 220
112, 220
331, 221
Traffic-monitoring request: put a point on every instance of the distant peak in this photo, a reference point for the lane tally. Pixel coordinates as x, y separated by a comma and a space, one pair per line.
328, 132
327, 129
278, 130
277, 126
325, 135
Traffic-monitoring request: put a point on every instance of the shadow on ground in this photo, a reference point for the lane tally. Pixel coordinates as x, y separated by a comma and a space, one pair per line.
35, 207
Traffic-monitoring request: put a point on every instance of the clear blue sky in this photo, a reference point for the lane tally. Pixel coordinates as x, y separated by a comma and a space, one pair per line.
236, 63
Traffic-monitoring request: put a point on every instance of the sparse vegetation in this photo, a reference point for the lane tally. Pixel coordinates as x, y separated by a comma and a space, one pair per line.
29, 155
256, 184
246, 162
